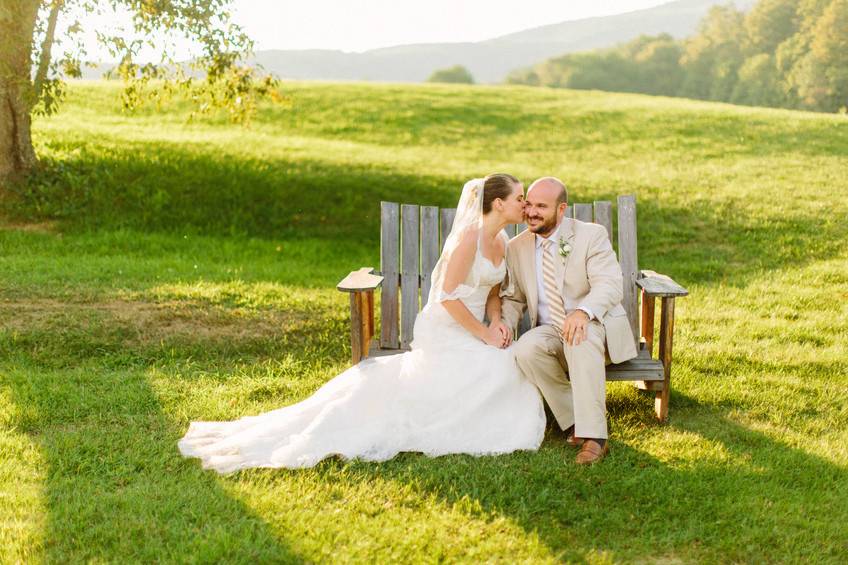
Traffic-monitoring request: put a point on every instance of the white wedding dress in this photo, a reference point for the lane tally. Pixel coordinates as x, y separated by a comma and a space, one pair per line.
451, 393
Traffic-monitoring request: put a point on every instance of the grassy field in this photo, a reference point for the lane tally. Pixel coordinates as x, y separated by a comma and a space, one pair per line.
159, 271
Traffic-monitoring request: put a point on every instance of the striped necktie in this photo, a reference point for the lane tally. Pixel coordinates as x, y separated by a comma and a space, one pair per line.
552, 293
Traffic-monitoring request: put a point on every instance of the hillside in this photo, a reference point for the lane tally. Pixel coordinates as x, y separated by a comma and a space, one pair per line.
489, 61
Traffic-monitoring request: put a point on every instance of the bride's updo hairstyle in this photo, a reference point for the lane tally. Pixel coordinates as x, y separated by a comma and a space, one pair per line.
497, 185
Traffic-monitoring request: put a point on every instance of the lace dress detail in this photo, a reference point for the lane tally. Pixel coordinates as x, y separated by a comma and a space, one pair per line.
451, 393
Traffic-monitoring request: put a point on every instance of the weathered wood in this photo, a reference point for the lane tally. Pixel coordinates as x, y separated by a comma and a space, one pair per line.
390, 267
446, 218
666, 344
650, 386
369, 304
360, 280
583, 212
641, 368
409, 273
429, 248
648, 322
627, 259
511, 230
356, 337
364, 323
648, 373
603, 215
655, 284
569, 211
376, 351
520, 228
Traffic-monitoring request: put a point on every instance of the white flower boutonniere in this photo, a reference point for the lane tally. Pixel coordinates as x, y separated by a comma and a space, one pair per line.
564, 249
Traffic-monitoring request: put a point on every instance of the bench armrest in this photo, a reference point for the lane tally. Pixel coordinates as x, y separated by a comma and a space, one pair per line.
360, 281
655, 284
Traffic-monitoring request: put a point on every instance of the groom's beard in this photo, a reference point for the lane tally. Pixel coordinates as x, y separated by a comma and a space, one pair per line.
544, 228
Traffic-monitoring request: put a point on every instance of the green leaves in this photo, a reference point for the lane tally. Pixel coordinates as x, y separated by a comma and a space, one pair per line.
783, 53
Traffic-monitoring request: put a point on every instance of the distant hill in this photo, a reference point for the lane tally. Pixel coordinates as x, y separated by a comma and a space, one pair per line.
491, 60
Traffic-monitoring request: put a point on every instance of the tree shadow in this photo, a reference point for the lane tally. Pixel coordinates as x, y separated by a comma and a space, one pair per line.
116, 488
178, 188
701, 245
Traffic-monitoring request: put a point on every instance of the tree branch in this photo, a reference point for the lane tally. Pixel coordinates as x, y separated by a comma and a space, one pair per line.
46, 45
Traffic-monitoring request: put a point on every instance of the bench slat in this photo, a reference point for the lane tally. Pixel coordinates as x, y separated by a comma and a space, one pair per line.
389, 266
656, 284
633, 370
603, 215
360, 281
446, 218
583, 212
409, 304
429, 248
627, 259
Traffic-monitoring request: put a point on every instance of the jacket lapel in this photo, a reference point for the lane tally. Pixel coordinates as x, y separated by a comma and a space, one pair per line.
566, 234
529, 270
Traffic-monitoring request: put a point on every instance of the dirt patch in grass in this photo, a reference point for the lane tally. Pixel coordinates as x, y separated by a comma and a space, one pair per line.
149, 322
48, 226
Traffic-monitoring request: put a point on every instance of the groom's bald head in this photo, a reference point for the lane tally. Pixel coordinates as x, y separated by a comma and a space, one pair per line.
544, 205
548, 187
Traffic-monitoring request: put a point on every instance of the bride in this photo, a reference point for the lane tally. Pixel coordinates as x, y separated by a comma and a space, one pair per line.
457, 391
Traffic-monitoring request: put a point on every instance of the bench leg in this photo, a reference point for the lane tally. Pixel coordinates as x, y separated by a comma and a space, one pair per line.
648, 321
666, 344
361, 324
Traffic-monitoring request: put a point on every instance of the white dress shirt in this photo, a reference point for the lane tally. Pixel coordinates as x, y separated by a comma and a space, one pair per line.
543, 312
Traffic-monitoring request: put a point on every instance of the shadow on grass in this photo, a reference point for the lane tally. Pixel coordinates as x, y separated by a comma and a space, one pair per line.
116, 489
174, 188
177, 189
751, 498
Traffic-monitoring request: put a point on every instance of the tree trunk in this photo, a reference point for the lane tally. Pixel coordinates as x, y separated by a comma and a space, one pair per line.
17, 157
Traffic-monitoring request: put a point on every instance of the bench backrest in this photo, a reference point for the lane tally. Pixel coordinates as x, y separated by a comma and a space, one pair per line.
412, 237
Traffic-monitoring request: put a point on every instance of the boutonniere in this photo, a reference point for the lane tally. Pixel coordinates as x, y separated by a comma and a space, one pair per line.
564, 248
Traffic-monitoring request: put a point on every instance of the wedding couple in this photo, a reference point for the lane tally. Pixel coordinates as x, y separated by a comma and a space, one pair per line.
465, 387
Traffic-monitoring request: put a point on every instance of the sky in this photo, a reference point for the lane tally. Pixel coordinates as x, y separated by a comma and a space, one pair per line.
359, 25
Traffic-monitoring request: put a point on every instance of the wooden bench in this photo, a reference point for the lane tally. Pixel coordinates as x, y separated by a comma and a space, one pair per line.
410, 242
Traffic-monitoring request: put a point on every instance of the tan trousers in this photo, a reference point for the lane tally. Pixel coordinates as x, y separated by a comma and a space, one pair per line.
544, 359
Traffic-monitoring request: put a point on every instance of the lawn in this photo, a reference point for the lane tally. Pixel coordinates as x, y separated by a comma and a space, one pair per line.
161, 270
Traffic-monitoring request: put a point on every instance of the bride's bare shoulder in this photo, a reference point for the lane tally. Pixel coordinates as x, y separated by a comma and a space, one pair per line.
469, 237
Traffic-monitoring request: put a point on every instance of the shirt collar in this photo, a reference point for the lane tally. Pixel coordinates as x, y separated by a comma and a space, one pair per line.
553, 237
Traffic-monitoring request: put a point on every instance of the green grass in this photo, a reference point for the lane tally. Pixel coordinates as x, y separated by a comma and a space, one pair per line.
158, 271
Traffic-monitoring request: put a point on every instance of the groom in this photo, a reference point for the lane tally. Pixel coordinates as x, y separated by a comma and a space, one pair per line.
565, 273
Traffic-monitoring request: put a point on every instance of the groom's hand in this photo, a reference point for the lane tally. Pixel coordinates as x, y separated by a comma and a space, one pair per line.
574, 327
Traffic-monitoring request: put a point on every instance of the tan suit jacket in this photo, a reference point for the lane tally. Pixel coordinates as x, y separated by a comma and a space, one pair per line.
590, 277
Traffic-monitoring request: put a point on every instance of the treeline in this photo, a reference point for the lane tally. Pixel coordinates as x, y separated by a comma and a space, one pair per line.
783, 53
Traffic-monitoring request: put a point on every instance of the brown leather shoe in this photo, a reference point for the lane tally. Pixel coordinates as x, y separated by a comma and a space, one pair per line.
592, 452
571, 439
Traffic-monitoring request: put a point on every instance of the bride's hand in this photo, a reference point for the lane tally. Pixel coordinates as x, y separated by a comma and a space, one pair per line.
505, 331
493, 336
